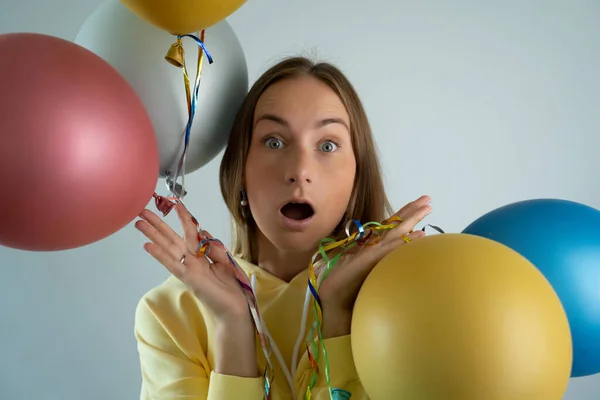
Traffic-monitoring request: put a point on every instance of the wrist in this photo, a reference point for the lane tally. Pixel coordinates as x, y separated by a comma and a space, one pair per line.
336, 322
236, 349
241, 319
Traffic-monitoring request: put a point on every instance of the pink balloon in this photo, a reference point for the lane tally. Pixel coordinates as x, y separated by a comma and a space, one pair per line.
78, 155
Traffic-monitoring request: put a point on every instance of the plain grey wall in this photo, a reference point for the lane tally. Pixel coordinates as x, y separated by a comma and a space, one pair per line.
475, 103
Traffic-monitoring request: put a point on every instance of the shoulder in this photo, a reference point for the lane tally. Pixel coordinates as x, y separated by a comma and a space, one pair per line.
169, 309
168, 300
170, 305
166, 295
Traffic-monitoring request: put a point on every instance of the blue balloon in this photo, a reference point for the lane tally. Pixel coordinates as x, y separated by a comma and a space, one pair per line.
562, 239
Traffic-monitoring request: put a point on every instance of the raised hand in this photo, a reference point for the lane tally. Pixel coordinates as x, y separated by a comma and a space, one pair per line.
339, 290
211, 278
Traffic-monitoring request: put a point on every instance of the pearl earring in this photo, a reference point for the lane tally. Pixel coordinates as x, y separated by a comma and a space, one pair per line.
244, 201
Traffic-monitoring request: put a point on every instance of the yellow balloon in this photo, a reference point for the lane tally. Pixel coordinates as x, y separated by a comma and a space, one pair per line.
183, 16
460, 317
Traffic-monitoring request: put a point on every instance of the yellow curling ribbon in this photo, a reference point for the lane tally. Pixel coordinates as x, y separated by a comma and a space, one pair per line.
176, 57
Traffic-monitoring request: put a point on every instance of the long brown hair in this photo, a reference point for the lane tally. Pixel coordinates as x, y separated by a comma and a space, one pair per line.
368, 202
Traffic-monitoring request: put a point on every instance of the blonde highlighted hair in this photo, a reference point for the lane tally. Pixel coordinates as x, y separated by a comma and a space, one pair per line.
368, 202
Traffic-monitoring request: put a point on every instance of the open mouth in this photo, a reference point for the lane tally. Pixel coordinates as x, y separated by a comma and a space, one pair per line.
297, 211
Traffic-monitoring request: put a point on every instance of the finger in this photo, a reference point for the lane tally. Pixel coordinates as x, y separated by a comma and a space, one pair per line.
409, 222
226, 275
177, 247
413, 219
165, 257
404, 230
224, 272
391, 244
155, 236
217, 253
411, 207
161, 226
416, 235
183, 267
190, 230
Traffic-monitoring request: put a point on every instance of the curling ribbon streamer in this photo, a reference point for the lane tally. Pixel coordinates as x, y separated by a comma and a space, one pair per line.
340, 394
363, 236
178, 59
176, 56
165, 205
367, 234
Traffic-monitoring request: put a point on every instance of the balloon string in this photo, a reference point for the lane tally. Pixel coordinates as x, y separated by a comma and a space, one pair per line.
178, 190
165, 205
367, 234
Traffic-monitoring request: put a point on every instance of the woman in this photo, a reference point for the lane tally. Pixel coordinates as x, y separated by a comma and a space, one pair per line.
300, 164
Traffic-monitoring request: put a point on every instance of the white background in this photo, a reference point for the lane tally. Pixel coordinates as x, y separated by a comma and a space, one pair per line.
475, 103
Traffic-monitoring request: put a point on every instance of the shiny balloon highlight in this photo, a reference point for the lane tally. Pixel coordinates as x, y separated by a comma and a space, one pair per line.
79, 158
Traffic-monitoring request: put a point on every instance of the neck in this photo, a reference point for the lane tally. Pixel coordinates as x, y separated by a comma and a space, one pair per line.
283, 264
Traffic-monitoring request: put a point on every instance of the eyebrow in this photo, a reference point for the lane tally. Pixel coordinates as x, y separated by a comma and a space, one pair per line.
283, 122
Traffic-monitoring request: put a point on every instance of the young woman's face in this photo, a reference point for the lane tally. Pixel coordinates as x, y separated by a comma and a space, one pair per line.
300, 170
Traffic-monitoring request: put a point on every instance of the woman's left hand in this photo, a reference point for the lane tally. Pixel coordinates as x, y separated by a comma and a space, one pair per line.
339, 290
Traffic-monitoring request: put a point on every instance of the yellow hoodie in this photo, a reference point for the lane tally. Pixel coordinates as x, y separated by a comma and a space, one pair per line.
177, 352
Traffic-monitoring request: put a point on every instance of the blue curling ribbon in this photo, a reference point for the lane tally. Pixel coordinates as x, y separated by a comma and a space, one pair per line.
340, 394
361, 229
313, 290
188, 128
436, 228
359, 226
197, 40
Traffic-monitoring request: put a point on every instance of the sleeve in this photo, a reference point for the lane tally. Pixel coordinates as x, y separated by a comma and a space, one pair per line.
342, 372
173, 364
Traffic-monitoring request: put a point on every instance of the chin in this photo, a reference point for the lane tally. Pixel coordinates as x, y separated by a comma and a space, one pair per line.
295, 242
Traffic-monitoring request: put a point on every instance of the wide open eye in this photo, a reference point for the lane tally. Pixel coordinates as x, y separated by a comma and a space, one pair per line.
328, 146
273, 143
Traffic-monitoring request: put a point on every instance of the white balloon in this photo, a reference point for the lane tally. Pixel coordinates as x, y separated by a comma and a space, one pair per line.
137, 50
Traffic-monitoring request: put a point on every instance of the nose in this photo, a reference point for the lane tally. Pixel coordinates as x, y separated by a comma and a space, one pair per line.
299, 167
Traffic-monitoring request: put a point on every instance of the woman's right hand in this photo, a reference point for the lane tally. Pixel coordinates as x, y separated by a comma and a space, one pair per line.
213, 283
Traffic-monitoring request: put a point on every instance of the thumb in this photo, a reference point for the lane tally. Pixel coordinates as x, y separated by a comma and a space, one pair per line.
227, 275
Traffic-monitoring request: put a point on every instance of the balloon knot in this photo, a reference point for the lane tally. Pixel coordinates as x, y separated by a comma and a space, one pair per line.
163, 204
176, 54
